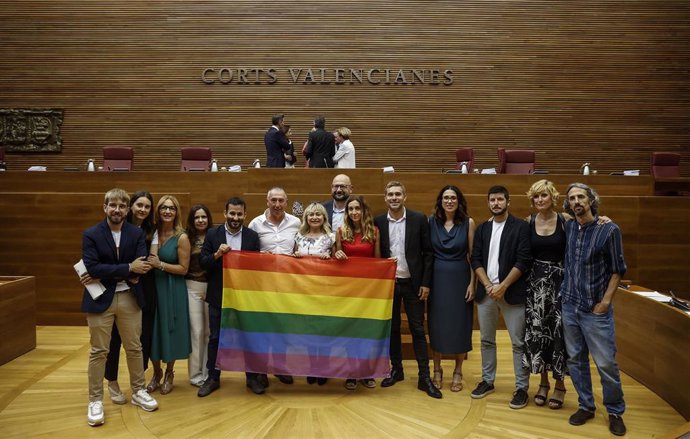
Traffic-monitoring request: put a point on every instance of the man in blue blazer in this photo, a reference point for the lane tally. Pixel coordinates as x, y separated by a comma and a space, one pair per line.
220, 240
341, 188
405, 237
320, 145
114, 253
501, 257
277, 145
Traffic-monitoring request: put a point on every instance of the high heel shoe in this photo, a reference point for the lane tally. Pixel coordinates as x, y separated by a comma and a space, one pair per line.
456, 385
542, 394
438, 378
155, 382
167, 385
555, 402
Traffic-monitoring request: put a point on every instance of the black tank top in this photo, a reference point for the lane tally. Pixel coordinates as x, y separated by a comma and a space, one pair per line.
548, 248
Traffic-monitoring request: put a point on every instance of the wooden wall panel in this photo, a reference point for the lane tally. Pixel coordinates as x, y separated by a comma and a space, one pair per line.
598, 81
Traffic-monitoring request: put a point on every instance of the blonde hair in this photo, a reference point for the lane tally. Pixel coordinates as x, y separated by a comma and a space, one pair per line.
542, 186
177, 223
367, 223
318, 208
344, 132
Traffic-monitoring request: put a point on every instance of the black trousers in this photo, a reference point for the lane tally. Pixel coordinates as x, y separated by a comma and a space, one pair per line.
214, 316
414, 308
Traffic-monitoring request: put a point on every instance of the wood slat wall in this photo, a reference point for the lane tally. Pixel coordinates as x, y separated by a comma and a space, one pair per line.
599, 81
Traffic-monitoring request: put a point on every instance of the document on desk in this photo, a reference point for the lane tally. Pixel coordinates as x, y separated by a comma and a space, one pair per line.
654, 295
96, 289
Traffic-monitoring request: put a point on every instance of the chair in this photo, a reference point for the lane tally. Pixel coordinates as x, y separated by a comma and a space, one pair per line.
516, 161
464, 155
118, 158
196, 159
665, 164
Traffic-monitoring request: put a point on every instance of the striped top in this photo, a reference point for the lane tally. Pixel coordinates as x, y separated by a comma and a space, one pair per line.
593, 253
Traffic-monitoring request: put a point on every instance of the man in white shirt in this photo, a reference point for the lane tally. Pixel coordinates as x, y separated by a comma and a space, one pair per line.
277, 230
501, 257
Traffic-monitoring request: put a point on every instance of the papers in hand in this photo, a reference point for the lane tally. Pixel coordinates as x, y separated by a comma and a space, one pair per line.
95, 288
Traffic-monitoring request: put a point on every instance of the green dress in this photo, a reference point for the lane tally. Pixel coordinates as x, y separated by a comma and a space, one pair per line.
171, 339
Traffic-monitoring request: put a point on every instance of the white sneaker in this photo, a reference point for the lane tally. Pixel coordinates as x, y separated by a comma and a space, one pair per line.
95, 415
144, 400
116, 395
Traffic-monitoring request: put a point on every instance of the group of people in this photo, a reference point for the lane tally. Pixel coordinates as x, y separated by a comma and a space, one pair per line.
322, 149
552, 277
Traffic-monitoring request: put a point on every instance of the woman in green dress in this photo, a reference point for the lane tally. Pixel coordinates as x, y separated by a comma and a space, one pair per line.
170, 251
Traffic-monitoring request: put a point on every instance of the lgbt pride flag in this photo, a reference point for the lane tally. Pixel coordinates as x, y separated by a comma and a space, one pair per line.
306, 316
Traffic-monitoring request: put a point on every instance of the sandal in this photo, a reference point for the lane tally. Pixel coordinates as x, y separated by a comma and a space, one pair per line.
456, 385
540, 397
556, 403
155, 382
438, 378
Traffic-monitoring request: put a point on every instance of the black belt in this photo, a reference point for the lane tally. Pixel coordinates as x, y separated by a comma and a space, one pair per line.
403, 280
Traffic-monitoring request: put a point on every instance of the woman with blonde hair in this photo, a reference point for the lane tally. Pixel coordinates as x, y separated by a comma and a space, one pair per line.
357, 236
170, 252
345, 151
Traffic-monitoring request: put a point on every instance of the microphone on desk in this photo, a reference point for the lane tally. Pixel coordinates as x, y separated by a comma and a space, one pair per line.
678, 303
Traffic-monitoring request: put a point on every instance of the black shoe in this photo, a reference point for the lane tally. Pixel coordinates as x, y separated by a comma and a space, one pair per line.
256, 387
285, 379
321, 381
311, 380
209, 386
396, 375
616, 425
262, 378
482, 390
520, 398
425, 385
581, 416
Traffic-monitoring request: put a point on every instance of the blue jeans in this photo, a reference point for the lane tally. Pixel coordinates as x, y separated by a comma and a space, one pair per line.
587, 333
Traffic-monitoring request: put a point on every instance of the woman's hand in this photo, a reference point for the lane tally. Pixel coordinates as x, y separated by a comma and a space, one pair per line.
154, 261
325, 256
603, 219
340, 255
469, 294
297, 254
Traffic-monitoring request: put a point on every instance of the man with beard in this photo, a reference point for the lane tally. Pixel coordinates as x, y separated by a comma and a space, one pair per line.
114, 253
594, 265
230, 236
405, 237
501, 258
341, 188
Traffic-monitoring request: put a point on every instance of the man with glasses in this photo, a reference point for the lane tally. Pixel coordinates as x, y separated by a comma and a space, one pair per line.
341, 188
114, 253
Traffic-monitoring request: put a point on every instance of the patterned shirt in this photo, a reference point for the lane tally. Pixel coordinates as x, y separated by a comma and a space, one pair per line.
593, 253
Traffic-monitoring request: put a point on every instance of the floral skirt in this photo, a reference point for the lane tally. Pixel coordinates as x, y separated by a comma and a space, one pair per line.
544, 345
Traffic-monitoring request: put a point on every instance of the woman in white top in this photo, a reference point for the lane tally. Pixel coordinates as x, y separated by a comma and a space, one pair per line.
345, 155
315, 239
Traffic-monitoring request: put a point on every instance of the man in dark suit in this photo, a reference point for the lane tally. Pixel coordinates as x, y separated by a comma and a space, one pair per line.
405, 237
320, 146
220, 240
341, 188
501, 257
277, 145
114, 253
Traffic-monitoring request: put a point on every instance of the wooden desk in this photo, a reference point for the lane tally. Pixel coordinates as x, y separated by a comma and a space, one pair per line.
672, 185
17, 316
654, 346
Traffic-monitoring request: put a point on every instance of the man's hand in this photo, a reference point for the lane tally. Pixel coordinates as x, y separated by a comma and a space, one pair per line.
498, 291
140, 265
600, 308
224, 248
86, 279
423, 293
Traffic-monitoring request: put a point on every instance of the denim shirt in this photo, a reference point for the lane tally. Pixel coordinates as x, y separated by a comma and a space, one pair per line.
593, 253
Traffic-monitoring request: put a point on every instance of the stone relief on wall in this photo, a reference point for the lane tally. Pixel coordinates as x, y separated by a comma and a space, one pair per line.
31, 130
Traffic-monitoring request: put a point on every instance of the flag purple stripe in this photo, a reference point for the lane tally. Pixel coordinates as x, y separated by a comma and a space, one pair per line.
302, 365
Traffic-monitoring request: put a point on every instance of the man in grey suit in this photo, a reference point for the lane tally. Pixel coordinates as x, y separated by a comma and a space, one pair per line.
501, 257
405, 237
320, 146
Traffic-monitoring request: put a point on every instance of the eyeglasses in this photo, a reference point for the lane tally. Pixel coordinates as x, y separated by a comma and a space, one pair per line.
115, 206
340, 186
169, 208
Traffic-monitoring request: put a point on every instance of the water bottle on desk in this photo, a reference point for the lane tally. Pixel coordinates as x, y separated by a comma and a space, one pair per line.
90, 166
214, 166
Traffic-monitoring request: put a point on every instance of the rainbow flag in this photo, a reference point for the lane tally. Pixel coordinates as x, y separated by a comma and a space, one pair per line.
306, 316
